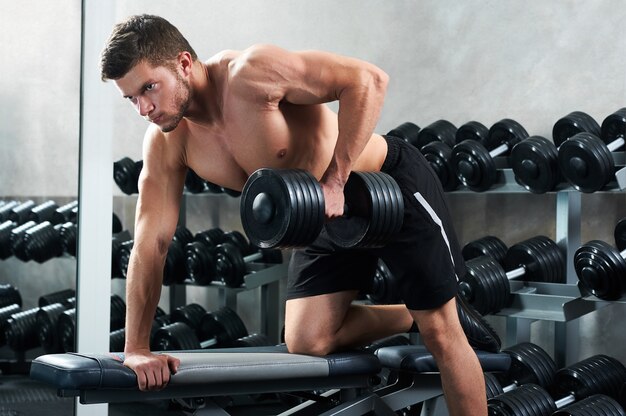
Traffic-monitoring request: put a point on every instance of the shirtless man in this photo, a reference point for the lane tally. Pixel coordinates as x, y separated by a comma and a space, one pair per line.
265, 107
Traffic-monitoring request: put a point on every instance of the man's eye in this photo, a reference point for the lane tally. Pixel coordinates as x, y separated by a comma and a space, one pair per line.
149, 87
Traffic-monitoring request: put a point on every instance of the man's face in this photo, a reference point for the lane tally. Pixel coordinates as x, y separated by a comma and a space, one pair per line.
159, 94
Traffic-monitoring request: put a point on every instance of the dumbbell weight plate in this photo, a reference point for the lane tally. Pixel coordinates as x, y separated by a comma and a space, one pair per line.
312, 206
230, 264
529, 399
492, 386
585, 163
505, 131
484, 285
438, 154
396, 208
231, 323
600, 269
536, 258
535, 164
438, 131
373, 203
175, 337
474, 166
596, 405
614, 126
550, 257
485, 246
530, 364
407, 131
597, 374
572, 124
238, 240
381, 205
620, 234
472, 130
270, 210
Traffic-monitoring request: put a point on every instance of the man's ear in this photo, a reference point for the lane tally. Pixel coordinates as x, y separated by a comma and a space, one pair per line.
185, 62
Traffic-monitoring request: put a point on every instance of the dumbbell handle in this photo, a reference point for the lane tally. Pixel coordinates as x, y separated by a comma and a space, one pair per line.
503, 148
565, 401
515, 273
616, 144
252, 257
208, 343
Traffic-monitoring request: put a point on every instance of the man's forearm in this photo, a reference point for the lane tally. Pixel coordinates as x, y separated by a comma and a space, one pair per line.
359, 110
143, 290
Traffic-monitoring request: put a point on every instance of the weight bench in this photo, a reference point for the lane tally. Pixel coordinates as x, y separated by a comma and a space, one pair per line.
418, 383
348, 379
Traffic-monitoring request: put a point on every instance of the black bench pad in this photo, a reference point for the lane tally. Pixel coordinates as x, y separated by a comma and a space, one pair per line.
416, 359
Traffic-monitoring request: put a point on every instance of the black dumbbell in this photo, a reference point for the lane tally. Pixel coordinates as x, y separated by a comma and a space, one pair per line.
66, 323
601, 269
599, 374
174, 269
18, 246
406, 131
586, 160
120, 253
384, 289
66, 213
126, 174
488, 245
5, 313
67, 232
473, 161
230, 263
285, 208
435, 142
9, 295
117, 338
486, 283
535, 161
46, 321
42, 242
6, 208
201, 257
596, 405
221, 328
529, 364
22, 331
21, 212
5, 238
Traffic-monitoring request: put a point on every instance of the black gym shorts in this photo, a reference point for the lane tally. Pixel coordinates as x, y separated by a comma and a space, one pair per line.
424, 256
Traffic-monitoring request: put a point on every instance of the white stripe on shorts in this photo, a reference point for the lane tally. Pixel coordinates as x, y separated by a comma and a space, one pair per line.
437, 221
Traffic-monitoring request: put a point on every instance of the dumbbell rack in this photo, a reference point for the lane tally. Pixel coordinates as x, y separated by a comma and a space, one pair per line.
265, 277
561, 303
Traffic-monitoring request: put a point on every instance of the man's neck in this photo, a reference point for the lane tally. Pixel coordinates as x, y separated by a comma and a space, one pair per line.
205, 104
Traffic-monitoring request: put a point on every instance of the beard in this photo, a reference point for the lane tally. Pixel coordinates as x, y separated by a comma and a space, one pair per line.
181, 101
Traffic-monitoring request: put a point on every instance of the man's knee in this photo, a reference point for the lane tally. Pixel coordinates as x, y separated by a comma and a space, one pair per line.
303, 342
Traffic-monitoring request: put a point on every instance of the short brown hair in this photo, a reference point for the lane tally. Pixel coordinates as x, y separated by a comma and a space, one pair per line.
138, 38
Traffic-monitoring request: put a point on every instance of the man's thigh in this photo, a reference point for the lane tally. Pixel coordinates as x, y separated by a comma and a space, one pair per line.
316, 316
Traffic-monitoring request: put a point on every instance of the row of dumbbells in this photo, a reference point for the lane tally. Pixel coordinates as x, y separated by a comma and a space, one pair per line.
490, 267
208, 256
22, 330
600, 267
534, 387
38, 232
52, 325
126, 175
581, 152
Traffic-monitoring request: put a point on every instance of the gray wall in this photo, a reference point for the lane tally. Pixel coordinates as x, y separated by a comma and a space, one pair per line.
532, 61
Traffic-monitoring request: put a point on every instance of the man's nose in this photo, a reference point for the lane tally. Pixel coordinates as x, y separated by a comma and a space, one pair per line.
144, 106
